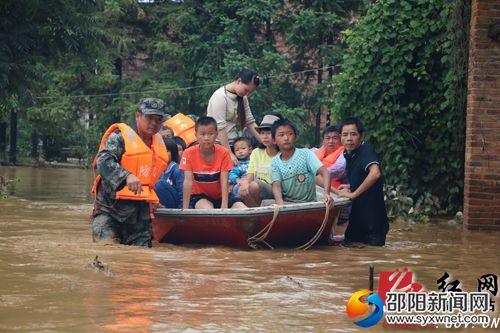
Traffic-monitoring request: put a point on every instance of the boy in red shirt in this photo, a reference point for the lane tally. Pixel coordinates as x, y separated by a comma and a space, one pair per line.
206, 167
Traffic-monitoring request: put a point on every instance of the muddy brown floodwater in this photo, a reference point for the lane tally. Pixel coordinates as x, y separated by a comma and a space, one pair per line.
47, 285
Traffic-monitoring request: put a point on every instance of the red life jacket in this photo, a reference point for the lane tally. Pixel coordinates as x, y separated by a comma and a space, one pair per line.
329, 160
146, 163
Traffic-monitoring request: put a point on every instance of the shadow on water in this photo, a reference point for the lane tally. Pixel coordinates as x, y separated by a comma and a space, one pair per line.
48, 285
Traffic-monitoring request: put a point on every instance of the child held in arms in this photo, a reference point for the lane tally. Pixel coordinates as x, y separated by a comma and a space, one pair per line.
206, 167
242, 149
293, 170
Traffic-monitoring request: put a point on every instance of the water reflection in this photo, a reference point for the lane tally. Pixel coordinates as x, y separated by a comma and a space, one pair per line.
45, 248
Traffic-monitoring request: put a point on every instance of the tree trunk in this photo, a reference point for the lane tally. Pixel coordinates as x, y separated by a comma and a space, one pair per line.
34, 145
13, 137
3, 141
45, 148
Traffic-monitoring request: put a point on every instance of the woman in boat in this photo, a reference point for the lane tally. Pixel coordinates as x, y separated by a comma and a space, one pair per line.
229, 107
256, 185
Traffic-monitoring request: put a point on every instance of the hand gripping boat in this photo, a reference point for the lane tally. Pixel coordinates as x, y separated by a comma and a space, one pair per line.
299, 225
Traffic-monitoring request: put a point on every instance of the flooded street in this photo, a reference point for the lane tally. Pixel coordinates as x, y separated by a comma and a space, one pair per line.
48, 286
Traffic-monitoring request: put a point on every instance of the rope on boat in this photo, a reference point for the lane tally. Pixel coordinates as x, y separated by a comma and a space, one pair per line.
262, 234
319, 232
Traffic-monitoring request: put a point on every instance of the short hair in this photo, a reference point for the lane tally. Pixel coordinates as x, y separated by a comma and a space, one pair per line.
172, 148
205, 121
179, 141
247, 76
331, 129
243, 138
353, 121
280, 123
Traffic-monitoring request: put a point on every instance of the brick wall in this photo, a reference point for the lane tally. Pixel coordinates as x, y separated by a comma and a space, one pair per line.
482, 148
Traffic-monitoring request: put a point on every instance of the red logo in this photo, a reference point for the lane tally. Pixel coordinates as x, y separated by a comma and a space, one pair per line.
397, 281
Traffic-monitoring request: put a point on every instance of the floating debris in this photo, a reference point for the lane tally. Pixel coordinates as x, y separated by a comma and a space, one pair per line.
98, 266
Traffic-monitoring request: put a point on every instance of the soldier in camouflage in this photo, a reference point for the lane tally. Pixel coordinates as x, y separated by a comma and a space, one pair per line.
124, 221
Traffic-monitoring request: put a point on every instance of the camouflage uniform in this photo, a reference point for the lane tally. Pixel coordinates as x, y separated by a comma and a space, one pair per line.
124, 221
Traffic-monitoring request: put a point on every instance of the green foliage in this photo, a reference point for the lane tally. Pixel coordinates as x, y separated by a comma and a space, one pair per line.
401, 207
34, 30
398, 77
402, 74
181, 52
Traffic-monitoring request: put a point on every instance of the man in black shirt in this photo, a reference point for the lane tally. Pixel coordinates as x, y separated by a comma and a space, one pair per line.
368, 221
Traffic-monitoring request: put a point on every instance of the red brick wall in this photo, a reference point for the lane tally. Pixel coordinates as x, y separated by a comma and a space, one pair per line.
482, 147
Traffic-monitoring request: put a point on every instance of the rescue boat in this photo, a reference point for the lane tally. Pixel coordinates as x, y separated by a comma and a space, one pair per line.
298, 225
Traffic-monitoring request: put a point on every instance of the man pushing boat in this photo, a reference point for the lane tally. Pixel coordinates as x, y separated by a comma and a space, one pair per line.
129, 163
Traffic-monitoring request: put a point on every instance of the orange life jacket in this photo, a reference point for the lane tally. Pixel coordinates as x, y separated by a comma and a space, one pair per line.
146, 163
328, 161
183, 127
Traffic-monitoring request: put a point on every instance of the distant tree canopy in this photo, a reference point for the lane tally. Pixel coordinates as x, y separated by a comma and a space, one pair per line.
34, 37
404, 75
182, 51
71, 68
34, 33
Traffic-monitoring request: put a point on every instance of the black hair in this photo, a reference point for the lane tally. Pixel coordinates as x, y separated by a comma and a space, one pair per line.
205, 121
164, 128
172, 148
330, 129
282, 122
243, 138
192, 116
353, 121
276, 114
247, 76
179, 141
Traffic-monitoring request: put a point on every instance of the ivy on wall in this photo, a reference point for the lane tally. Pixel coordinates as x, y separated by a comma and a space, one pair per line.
403, 75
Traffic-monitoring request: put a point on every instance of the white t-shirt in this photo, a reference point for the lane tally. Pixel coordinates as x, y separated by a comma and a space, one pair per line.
223, 107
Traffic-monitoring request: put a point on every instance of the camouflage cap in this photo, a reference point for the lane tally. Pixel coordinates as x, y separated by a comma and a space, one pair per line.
152, 106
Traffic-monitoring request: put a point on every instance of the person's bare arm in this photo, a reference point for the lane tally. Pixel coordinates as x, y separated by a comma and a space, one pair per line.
278, 196
224, 140
372, 177
187, 186
253, 130
323, 172
244, 183
320, 181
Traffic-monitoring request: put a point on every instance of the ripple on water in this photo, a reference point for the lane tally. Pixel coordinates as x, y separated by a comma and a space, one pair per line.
45, 246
